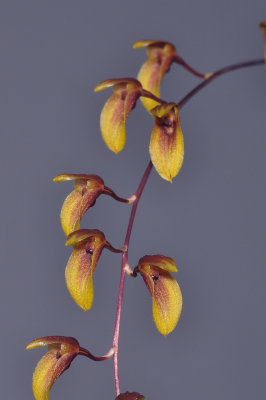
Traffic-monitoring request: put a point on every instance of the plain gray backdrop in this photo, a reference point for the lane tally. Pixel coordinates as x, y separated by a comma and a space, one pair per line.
211, 220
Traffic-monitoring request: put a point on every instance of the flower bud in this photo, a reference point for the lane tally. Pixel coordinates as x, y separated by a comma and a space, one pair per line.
160, 57
87, 189
116, 110
62, 351
130, 396
88, 245
165, 292
263, 28
167, 144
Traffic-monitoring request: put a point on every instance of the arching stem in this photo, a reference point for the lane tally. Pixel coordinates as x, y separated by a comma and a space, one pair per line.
124, 267
215, 75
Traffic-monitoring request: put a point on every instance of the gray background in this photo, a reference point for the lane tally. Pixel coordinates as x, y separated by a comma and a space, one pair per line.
211, 220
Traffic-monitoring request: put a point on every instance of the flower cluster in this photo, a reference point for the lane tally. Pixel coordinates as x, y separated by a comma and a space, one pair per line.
166, 144
166, 153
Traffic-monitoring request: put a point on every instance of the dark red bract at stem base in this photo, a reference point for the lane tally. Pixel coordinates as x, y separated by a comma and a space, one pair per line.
130, 396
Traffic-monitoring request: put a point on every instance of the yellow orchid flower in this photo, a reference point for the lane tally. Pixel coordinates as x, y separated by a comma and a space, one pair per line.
116, 110
167, 143
88, 245
62, 351
165, 292
87, 189
160, 57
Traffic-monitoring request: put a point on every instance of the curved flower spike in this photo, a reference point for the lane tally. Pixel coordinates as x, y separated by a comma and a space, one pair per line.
263, 28
88, 245
116, 110
167, 143
160, 57
62, 351
165, 292
130, 396
87, 189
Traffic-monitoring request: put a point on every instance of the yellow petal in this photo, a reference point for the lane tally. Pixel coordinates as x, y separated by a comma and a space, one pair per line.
167, 145
158, 260
112, 82
66, 343
78, 276
80, 269
94, 179
70, 212
82, 235
163, 110
48, 369
43, 377
167, 303
116, 110
146, 43
112, 122
149, 76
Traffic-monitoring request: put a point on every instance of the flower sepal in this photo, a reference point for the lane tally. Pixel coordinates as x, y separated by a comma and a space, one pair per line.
167, 143
88, 245
116, 110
